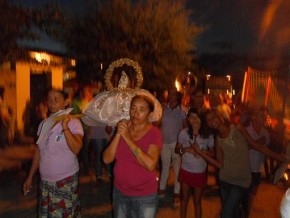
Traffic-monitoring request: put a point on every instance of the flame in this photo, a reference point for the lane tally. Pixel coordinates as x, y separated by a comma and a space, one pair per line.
268, 17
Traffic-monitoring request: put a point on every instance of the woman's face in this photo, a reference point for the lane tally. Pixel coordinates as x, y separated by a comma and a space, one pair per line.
139, 111
213, 120
194, 121
55, 101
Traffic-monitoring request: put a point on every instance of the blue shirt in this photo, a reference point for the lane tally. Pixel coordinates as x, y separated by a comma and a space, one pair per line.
172, 123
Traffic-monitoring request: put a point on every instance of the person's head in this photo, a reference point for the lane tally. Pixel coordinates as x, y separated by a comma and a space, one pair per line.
259, 117
87, 92
140, 108
197, 124
57, 100
174, 97
214, 119
193, 119
197, 98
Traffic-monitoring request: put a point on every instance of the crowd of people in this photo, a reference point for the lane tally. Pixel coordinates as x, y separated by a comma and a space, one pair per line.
137, 155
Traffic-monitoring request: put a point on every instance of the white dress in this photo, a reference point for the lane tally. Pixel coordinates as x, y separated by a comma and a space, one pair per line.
109, 107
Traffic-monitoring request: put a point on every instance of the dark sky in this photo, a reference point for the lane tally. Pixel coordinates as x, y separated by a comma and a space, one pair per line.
239, 26
255, 26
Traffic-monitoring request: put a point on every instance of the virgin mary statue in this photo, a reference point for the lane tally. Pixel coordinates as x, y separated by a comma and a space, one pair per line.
111, 106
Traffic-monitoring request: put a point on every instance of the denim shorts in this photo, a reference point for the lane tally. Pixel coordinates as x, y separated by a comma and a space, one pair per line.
134, 206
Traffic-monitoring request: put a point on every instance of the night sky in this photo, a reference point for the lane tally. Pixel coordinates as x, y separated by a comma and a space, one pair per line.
238, 26
256, 26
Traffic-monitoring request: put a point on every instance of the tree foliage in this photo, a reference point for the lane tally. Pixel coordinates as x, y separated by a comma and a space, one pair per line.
50, 19
18, 23
156, 33
14, 25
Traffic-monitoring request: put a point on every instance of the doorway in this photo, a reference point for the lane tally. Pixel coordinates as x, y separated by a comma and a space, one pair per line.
40, 82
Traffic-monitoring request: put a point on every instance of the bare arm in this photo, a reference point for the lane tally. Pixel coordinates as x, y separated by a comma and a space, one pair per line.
34, 167
110, 152
181, 150
210, 152
218, 161
74, 142
260, 147
149, 159
178, 148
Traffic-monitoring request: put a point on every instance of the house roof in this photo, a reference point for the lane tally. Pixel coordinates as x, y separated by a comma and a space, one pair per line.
44, 43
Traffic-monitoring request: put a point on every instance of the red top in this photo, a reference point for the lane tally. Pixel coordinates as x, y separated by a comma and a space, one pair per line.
131, 178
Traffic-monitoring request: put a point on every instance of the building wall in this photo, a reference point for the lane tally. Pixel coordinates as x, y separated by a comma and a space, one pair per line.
23, 72
16, 80
22, 92
8, 82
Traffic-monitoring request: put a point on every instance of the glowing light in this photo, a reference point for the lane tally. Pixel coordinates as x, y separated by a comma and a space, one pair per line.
268, 91
73, 62
207, 76
229, 77
285, 176
244, 87
41, 57
178, 85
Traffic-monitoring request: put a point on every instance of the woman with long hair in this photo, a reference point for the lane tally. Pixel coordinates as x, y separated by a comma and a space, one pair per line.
232, 159
192, 172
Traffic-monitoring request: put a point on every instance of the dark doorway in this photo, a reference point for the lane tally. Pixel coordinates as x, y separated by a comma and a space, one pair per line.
40, 82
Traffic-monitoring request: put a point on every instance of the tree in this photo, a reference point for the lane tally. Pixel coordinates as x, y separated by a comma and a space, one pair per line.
14, 25
50, 19
156, 33
18, 23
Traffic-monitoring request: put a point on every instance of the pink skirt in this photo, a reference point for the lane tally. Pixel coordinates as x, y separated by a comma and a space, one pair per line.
194, 180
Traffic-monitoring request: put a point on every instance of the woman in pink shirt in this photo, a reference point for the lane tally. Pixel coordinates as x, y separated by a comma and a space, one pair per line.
136, 148
58, 144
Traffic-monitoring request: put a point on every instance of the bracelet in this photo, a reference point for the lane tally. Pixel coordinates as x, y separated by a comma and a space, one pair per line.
181, 150
137, 151
64, 130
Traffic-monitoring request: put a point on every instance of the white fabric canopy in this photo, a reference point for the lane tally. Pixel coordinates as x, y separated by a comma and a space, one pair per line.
109, 107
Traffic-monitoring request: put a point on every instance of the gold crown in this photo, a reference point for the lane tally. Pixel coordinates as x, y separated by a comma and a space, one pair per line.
120, 63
